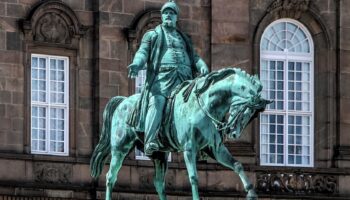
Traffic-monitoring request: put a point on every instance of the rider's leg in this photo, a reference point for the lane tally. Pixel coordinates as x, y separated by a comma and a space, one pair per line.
153, 122
161, 165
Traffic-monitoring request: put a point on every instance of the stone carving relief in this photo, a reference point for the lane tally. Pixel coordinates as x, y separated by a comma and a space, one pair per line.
52, 173
53, 22
288, 8
52, 28
296, 183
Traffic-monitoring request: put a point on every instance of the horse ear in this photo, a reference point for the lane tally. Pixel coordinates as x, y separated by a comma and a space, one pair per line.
267, 102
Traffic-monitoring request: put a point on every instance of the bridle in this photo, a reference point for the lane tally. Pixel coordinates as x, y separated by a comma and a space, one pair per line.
219, 125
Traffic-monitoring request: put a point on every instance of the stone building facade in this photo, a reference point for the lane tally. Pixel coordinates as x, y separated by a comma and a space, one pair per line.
90, 43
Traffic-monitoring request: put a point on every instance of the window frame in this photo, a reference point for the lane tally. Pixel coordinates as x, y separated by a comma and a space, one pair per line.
49, 105
287, 57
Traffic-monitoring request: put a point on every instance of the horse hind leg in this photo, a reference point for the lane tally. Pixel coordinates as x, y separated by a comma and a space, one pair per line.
120, 147
111, 176
224, 157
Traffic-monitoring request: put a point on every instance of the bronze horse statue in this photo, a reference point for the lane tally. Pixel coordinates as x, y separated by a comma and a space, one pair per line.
202, 112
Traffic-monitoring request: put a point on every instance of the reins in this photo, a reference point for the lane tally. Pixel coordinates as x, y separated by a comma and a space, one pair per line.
219, 125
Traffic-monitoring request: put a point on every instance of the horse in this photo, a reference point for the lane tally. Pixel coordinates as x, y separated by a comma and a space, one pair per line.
205, 112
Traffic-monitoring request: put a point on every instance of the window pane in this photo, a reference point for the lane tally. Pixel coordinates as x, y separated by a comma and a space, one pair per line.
60, 136
60, 75
53, 135
52, 64
35, 145
140, 81
60, 114
60, 65
53, 146
42, 96
280, 159
60, 87
34, 62
42, 145
42, 74
35, 74
60, 147
52, 75
42, 63
60, 98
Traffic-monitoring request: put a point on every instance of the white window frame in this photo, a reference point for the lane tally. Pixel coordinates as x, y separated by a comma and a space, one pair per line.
286, 56
48, 105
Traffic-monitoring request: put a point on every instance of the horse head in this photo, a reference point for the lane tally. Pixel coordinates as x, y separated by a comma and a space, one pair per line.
241, 116
233, 91
246, 103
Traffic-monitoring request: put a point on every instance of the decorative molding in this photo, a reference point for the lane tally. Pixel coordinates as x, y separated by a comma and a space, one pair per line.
53, 22
52, 172
296, 183
288, 8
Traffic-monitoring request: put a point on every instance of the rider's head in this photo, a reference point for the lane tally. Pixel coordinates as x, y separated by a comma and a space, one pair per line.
169, 14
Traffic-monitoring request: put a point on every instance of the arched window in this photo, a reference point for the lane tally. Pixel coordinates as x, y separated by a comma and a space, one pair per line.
286, 72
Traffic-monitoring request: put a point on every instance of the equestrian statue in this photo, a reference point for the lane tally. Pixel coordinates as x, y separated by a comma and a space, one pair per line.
176, 111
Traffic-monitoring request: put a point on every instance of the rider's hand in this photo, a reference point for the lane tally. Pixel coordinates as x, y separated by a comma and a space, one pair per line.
132, 70
204, 70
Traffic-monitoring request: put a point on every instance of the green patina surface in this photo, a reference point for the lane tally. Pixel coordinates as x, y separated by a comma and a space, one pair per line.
176, 113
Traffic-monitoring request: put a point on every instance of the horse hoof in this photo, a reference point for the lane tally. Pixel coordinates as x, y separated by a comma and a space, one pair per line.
252, 195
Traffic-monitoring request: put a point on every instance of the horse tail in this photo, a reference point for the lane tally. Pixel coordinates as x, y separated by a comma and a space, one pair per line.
103, 147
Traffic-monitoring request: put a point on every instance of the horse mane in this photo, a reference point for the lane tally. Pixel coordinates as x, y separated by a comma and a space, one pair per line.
216, 76
254, 80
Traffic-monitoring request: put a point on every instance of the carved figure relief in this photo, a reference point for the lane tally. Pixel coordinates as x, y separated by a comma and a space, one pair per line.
289, 8
52, 173
295, 183
52, 28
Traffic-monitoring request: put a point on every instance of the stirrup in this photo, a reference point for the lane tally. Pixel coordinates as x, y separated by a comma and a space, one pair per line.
150, 148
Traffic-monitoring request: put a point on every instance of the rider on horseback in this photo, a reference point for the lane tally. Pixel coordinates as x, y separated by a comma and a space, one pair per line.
169, 58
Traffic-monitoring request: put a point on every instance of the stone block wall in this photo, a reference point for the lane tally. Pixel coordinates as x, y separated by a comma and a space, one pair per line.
11, 76
231, 44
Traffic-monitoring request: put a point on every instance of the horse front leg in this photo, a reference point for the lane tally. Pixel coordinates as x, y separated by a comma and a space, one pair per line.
190, 160
161, 165
224, 157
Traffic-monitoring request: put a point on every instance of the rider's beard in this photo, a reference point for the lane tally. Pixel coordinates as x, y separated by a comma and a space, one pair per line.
169, 24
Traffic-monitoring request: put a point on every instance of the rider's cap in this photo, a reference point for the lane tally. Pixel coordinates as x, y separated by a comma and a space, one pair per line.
172, 5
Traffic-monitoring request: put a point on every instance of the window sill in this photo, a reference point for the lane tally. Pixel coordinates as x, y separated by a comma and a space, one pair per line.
45, 158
